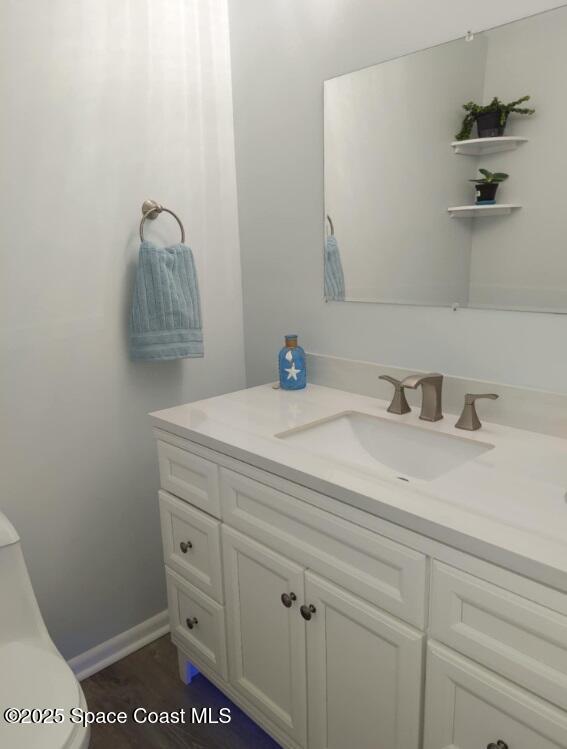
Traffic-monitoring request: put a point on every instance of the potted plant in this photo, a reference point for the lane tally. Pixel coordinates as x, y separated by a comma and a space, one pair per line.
487, 185
490, 119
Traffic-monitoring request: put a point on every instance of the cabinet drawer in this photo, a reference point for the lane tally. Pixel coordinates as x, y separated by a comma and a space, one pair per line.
371, 566
468, 707
190, 477
203, 640
191, 544
521, 639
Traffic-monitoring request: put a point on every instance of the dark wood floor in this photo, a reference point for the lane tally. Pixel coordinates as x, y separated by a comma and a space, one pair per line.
149, 678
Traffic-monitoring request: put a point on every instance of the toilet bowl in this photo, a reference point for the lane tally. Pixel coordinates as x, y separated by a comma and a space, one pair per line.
33, 674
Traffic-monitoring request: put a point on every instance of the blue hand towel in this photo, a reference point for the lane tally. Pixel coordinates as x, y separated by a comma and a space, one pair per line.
166, 311
334, 277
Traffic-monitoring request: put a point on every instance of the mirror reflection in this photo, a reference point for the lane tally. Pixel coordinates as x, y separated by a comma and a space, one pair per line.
444, 174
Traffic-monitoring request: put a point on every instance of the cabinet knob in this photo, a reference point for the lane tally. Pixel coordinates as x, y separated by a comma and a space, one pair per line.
288, 599
307, 611
499, 745
185, 546
192, 622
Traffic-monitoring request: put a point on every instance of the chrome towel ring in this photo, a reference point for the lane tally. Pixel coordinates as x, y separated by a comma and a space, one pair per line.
151, 210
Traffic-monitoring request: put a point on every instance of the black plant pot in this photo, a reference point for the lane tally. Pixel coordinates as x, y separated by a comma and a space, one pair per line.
489, 126
486, 193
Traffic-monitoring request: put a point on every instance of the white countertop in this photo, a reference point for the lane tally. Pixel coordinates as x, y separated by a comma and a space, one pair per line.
507, 506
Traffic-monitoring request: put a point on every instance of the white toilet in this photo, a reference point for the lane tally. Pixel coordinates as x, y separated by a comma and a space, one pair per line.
33, 674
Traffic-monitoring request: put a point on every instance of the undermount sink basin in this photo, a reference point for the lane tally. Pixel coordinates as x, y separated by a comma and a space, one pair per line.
372, 442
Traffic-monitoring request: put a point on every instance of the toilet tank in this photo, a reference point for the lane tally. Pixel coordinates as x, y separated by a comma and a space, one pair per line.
20, 617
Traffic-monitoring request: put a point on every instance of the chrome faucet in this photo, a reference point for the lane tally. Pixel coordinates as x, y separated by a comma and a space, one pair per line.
432, 388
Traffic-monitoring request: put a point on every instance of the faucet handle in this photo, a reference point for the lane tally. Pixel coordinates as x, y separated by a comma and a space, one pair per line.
469, 418
399, 404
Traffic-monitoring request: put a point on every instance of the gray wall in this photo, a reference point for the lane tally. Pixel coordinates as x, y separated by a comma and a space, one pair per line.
282, 51
103, 105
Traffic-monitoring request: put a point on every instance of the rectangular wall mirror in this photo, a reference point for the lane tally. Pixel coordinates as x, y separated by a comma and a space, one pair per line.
404, 222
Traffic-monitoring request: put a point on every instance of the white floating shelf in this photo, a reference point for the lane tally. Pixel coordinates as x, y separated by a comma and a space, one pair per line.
473, 211
483, 146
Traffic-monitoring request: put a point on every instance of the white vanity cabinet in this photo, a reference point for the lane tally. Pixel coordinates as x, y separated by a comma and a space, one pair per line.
332, 628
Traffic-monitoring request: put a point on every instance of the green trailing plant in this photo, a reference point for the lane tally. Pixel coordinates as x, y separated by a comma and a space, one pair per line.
504, 110
489, 178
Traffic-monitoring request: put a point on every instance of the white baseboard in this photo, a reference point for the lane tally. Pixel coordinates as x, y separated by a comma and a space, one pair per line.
103, 655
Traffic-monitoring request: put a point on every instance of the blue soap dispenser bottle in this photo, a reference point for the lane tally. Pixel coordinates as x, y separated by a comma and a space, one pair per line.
293, 373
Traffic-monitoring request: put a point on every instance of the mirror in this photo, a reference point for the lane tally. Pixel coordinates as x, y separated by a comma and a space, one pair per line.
404, 222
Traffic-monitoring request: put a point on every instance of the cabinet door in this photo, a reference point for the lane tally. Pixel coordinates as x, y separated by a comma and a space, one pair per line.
469, 707
267, 657
364, 673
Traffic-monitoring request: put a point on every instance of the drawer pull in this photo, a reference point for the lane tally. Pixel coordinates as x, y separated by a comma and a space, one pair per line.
288, 600
185, 546
499, 745
192, 622
307, 611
